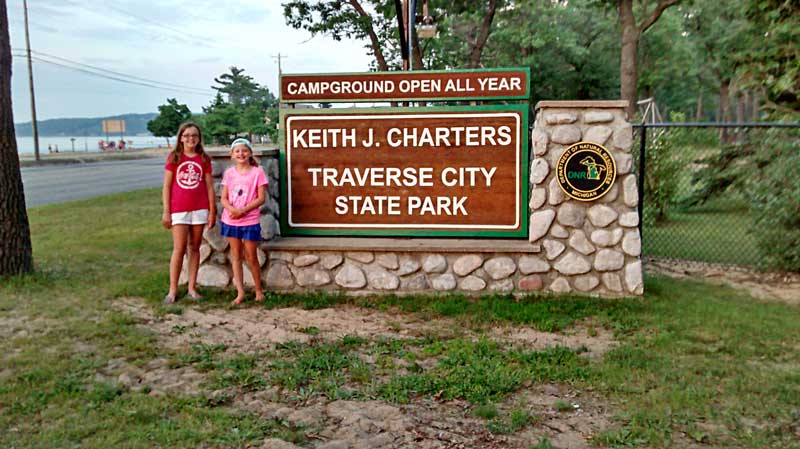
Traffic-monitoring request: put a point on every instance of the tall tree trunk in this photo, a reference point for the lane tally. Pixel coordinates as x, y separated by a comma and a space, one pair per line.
373, 37
627, 58
724, 114
698, 116
15, 235
630, 32
483, 35
756, 109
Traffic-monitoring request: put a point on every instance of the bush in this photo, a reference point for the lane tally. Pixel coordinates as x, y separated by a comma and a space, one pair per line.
665, 159
775, 200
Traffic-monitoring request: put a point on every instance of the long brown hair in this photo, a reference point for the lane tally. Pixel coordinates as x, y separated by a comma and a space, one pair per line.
175, 156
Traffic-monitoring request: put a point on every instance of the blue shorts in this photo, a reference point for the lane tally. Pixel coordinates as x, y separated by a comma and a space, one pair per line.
252, 232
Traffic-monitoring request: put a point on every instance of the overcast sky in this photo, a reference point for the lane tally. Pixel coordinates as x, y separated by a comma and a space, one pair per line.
183, 42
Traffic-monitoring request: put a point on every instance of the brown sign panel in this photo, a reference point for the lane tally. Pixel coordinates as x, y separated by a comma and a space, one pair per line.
113, 126
418, 85
410, 171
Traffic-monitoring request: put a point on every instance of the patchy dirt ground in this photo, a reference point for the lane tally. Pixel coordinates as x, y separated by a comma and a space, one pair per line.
784, 287
371, 424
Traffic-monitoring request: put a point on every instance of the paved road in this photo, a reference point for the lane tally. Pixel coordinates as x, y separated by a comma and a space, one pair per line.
58, 183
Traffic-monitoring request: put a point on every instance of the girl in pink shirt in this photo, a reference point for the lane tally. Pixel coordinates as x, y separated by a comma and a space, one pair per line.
189, 205
244, 190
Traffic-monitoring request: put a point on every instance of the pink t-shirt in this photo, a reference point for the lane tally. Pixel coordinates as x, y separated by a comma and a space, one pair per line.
188, 191
242, 190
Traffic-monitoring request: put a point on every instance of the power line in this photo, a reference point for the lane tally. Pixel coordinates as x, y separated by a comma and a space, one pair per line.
114, 78
101, 69
181, 33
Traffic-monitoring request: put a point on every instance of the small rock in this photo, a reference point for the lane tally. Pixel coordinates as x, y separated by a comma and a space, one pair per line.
571, 215
612, 282
560, 118
408, 265
566, 134
540, 139
506, 285
608, 260
560, 285
540, 224
633, 278
305, 260
538, 197
533, 282
533, 264
350, 276
500, 267
444, 282
279, 277
572, 263
465, 265
601, 215
553, 248
632, 244
597, 117
331, 260
434, 263
388, 261
586, 283
472, 283
539, 171
598, 134
629, 219
580, 243
360, 256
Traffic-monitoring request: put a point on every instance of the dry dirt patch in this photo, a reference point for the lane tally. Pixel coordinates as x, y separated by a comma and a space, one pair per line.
780, 286
255, 328
424, 423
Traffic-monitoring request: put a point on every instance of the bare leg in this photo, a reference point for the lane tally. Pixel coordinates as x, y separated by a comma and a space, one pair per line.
195, 239
251, 253
238, 276
179, 237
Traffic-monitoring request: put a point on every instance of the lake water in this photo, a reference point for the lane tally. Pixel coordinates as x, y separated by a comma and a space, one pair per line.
85, 143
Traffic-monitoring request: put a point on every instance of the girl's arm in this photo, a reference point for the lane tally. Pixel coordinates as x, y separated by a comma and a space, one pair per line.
212, 201
166, 192
258, 202
224, 199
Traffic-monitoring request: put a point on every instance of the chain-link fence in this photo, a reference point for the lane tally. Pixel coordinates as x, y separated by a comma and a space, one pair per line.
721, 193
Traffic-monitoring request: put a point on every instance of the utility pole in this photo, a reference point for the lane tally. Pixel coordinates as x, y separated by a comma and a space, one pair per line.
278, 58
30, 83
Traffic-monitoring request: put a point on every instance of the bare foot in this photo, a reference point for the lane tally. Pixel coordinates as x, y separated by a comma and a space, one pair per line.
239, 299
259, 296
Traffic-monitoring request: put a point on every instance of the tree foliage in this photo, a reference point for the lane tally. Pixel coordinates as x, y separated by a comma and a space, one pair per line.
244, 108
169, 118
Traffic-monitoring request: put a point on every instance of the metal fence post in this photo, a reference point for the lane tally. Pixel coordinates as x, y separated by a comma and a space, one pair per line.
642, 142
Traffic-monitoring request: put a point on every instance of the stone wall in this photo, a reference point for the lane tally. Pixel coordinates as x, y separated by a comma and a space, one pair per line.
573, 246
594, 243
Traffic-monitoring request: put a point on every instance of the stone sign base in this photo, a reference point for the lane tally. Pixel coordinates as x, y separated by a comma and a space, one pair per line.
590, 247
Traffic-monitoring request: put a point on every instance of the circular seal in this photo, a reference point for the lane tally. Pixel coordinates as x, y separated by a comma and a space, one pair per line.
586, 171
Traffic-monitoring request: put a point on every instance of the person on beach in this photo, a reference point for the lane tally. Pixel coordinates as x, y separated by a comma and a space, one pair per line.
244, 190
189, 205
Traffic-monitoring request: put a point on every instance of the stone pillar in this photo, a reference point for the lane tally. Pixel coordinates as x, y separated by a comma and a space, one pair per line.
215, 269
592, 247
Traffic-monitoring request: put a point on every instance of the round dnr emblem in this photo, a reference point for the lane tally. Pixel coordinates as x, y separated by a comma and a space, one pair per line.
586, 171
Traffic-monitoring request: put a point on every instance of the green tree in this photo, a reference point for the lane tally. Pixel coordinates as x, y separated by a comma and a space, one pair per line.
169, 119
574, 60
244, 108
15, 234
239, 88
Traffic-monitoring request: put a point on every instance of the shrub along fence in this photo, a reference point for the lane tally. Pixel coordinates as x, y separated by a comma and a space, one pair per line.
724, 193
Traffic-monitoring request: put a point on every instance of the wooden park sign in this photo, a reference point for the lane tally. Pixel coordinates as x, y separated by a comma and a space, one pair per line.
425, 171
483, 84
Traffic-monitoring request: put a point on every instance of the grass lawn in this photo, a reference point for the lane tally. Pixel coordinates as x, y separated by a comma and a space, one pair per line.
719, 236
695, 363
